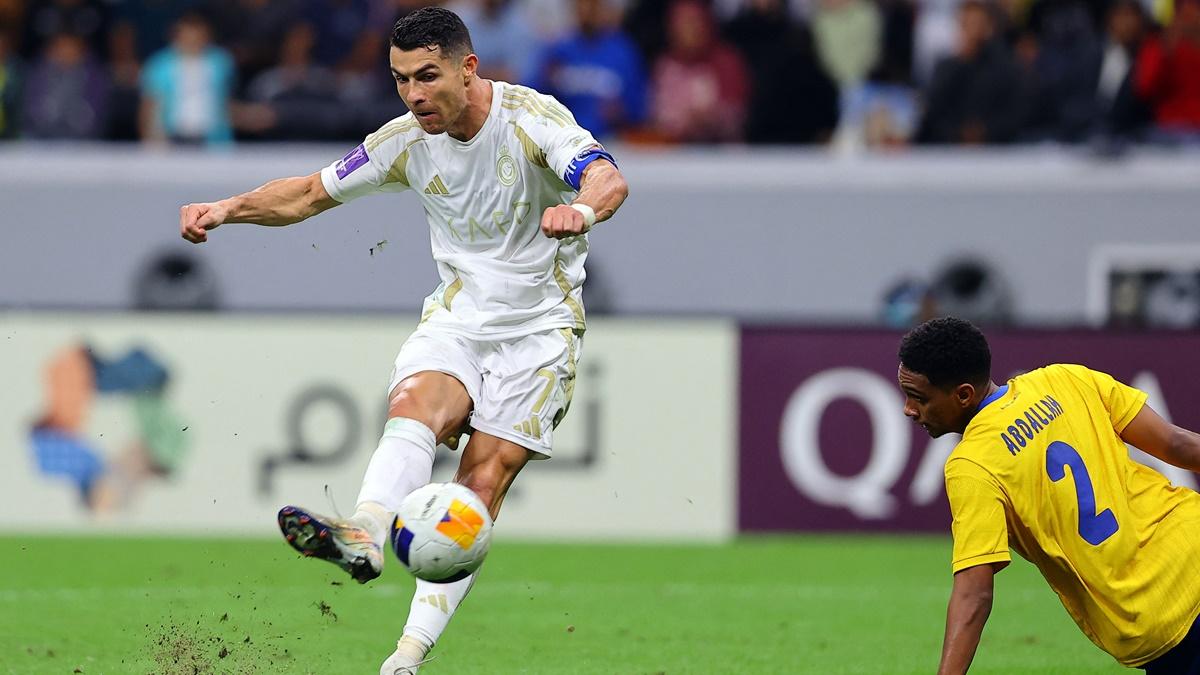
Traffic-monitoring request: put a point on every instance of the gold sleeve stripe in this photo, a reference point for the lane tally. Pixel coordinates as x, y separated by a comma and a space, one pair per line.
387, 131
552, 110
402, 121
533, 153
532, 110
559, 108
536, 106
544, 101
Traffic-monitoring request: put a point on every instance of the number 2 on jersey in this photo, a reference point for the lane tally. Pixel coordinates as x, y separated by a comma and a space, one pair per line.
1093, 527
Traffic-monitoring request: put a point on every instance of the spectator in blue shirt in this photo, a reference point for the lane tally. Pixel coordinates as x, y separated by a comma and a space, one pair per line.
596, 72
187, 88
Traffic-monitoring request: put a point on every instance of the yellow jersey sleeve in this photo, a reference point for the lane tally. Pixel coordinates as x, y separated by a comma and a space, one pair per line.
977, 505
1122, 402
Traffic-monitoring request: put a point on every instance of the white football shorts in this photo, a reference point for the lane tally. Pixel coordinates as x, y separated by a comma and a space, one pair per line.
521, 387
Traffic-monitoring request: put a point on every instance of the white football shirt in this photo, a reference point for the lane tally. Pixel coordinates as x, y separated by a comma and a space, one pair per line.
483, 199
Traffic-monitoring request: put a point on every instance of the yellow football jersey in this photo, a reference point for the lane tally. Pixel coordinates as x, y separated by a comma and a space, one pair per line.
1042, 469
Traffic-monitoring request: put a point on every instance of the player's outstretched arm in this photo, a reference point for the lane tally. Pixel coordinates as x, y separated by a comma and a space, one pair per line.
1172, 444
281, 202
601, 192
970, 605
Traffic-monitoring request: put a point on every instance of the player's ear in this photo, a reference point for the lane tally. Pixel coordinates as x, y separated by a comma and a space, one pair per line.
470, 64
964, 393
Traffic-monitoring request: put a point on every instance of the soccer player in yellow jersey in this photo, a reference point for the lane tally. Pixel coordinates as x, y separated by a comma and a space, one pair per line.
1042, 468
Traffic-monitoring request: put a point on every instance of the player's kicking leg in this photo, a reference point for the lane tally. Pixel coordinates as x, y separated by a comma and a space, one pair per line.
488, 467
424, 410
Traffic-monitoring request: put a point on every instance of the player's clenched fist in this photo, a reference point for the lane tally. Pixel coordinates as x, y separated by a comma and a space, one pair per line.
195, 220
562, 221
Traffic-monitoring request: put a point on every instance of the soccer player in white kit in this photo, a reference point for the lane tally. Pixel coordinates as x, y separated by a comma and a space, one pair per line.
510, 185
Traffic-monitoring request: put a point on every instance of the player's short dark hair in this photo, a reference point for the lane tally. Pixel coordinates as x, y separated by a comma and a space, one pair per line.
948, 351
431, 27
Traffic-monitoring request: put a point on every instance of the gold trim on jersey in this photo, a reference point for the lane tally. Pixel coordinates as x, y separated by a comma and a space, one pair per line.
451, 291
539, 105
533, 153
560, 277
572, 364
387, 131
398, 172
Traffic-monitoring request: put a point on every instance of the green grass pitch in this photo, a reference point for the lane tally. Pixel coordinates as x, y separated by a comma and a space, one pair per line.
803, 604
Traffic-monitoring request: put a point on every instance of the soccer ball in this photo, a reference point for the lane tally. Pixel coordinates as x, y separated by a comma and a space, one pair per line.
442, 532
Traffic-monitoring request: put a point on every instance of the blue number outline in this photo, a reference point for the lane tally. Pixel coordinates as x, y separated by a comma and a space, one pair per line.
1094, 527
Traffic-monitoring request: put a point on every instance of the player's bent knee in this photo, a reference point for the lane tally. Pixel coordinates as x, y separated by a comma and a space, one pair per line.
443, 417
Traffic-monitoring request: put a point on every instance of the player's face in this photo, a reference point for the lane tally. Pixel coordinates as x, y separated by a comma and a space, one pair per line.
432, 85
938, 411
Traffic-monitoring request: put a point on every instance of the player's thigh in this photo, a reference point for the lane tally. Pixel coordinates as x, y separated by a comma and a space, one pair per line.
528, 389
435, 380
489, 465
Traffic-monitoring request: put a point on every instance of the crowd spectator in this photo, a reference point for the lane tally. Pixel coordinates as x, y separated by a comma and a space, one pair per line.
10, 88
857, 73
700, 87
848, 35
792, 99
85, 19
552, 19
976, 95
503, 36
366, 92
1120, 111
142, 27
125, 69
66, 94
251, 30
12, 15
293, 100
187, 87
934, 36
1062, 54
897, 43
596, 72
337, 23
645, 23
1168, 74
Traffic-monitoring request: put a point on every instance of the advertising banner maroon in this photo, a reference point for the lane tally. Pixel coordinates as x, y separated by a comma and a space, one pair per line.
824, 444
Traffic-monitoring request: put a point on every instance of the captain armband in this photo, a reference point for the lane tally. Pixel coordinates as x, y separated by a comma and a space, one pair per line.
574, 174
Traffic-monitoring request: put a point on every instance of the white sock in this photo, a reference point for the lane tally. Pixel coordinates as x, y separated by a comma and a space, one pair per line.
402, 463
431, 609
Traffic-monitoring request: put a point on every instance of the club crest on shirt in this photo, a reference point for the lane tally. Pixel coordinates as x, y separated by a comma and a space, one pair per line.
506, 168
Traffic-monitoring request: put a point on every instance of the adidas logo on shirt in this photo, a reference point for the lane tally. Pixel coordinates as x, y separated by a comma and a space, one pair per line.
437, 187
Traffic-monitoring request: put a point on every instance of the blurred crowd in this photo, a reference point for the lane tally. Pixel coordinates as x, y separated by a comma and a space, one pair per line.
877, 73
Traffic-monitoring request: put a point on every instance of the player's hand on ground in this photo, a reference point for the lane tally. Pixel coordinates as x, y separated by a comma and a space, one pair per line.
195, 220
562, 221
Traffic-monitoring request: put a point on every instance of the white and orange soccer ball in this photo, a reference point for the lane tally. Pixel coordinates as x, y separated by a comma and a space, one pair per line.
442, 532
